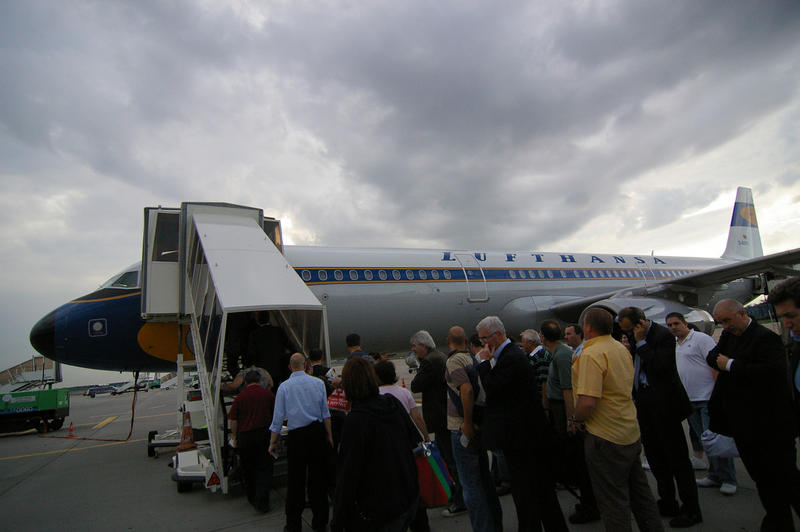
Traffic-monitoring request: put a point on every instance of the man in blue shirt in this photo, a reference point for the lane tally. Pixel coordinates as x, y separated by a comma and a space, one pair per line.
302, 402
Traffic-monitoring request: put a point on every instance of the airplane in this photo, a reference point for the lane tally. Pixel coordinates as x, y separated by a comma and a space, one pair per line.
388, 294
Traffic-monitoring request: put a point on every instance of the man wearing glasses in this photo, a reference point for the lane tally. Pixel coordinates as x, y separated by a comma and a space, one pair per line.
515, 424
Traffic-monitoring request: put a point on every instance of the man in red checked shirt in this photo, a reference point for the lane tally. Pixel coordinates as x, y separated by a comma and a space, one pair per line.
250, 416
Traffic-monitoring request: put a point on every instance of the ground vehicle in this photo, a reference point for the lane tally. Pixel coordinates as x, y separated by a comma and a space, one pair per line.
40, 409
129, 387
97, 390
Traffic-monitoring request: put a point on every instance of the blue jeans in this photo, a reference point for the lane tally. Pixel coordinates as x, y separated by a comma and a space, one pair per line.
719, 469
477, 485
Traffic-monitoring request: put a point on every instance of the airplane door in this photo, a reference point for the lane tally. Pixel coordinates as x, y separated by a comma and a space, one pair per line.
474, 277
160, 269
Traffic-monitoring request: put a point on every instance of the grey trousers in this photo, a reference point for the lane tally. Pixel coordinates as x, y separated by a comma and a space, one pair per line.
620, 485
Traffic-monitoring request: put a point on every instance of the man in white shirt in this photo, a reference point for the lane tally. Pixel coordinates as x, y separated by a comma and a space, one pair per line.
698, 378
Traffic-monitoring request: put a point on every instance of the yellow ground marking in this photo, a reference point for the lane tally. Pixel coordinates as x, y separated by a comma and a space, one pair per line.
61, 451
98, 425
105, 422
20, 433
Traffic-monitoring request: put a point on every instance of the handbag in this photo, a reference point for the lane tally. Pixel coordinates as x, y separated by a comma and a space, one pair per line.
718, 445
337, 401
435, 483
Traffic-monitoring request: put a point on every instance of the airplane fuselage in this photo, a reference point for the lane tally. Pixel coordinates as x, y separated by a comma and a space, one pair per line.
385, 295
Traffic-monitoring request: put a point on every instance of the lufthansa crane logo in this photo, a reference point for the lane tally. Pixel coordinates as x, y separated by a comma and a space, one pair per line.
747, 216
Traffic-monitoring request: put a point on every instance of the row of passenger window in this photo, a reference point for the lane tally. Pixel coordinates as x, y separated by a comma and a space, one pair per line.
490, 274
595, 274
383, 275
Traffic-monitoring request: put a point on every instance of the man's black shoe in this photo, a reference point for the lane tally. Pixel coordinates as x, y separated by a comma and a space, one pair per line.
583, 515
452, 511
667, 508
686, 519
502, 490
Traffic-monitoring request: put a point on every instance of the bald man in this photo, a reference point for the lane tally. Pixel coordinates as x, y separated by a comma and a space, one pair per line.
302, 402
752, 403
465, 404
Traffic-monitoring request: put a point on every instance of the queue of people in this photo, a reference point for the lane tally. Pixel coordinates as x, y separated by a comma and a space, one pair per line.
613, 388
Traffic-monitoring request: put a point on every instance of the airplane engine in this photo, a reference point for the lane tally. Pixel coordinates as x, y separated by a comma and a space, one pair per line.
657, 309
519, 314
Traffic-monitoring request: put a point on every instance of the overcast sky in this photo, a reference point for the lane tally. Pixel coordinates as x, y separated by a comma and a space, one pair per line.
608, 126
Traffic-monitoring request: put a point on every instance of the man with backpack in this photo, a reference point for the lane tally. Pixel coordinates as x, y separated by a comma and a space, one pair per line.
464, 414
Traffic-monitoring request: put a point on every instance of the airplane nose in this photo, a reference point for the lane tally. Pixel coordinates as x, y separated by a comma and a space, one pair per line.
43, 335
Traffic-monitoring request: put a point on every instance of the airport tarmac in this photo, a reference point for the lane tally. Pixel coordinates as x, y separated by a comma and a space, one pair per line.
58, 483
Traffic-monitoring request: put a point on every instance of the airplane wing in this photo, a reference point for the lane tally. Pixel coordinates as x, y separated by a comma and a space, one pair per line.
783, 264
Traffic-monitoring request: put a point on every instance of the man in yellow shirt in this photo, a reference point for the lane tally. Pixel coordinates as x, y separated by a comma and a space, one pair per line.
602, 380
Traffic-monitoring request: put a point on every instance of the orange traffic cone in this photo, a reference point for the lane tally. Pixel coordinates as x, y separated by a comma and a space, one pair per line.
187, 436
402, 383
71, 433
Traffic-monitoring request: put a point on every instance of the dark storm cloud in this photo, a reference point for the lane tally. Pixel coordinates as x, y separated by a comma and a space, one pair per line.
477, 97
447, 124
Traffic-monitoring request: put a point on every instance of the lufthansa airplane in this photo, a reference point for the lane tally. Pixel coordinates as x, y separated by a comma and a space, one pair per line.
386, 295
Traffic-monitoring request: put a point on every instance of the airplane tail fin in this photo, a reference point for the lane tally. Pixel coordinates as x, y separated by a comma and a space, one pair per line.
744, 240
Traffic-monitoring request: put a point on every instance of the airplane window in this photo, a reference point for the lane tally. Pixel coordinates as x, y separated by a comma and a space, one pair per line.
306, 275
435, 274
409, 275
532, 274
368, 275
522, 274
512, 274
353, 275
422, 275
396, 275
338, 275
126, 280
382, 275
446, 274
323, 275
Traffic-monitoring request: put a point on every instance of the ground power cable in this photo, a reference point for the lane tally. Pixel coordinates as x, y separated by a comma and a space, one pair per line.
130, 430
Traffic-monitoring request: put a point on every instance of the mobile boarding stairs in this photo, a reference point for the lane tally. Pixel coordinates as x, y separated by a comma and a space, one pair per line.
229, 260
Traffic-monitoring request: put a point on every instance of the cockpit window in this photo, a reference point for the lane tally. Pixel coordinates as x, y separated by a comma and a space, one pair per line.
127, 279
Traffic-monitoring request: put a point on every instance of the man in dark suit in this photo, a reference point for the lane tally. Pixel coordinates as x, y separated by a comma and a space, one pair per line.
752, 403
662, 405
430, 382
785, 297
514, 423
